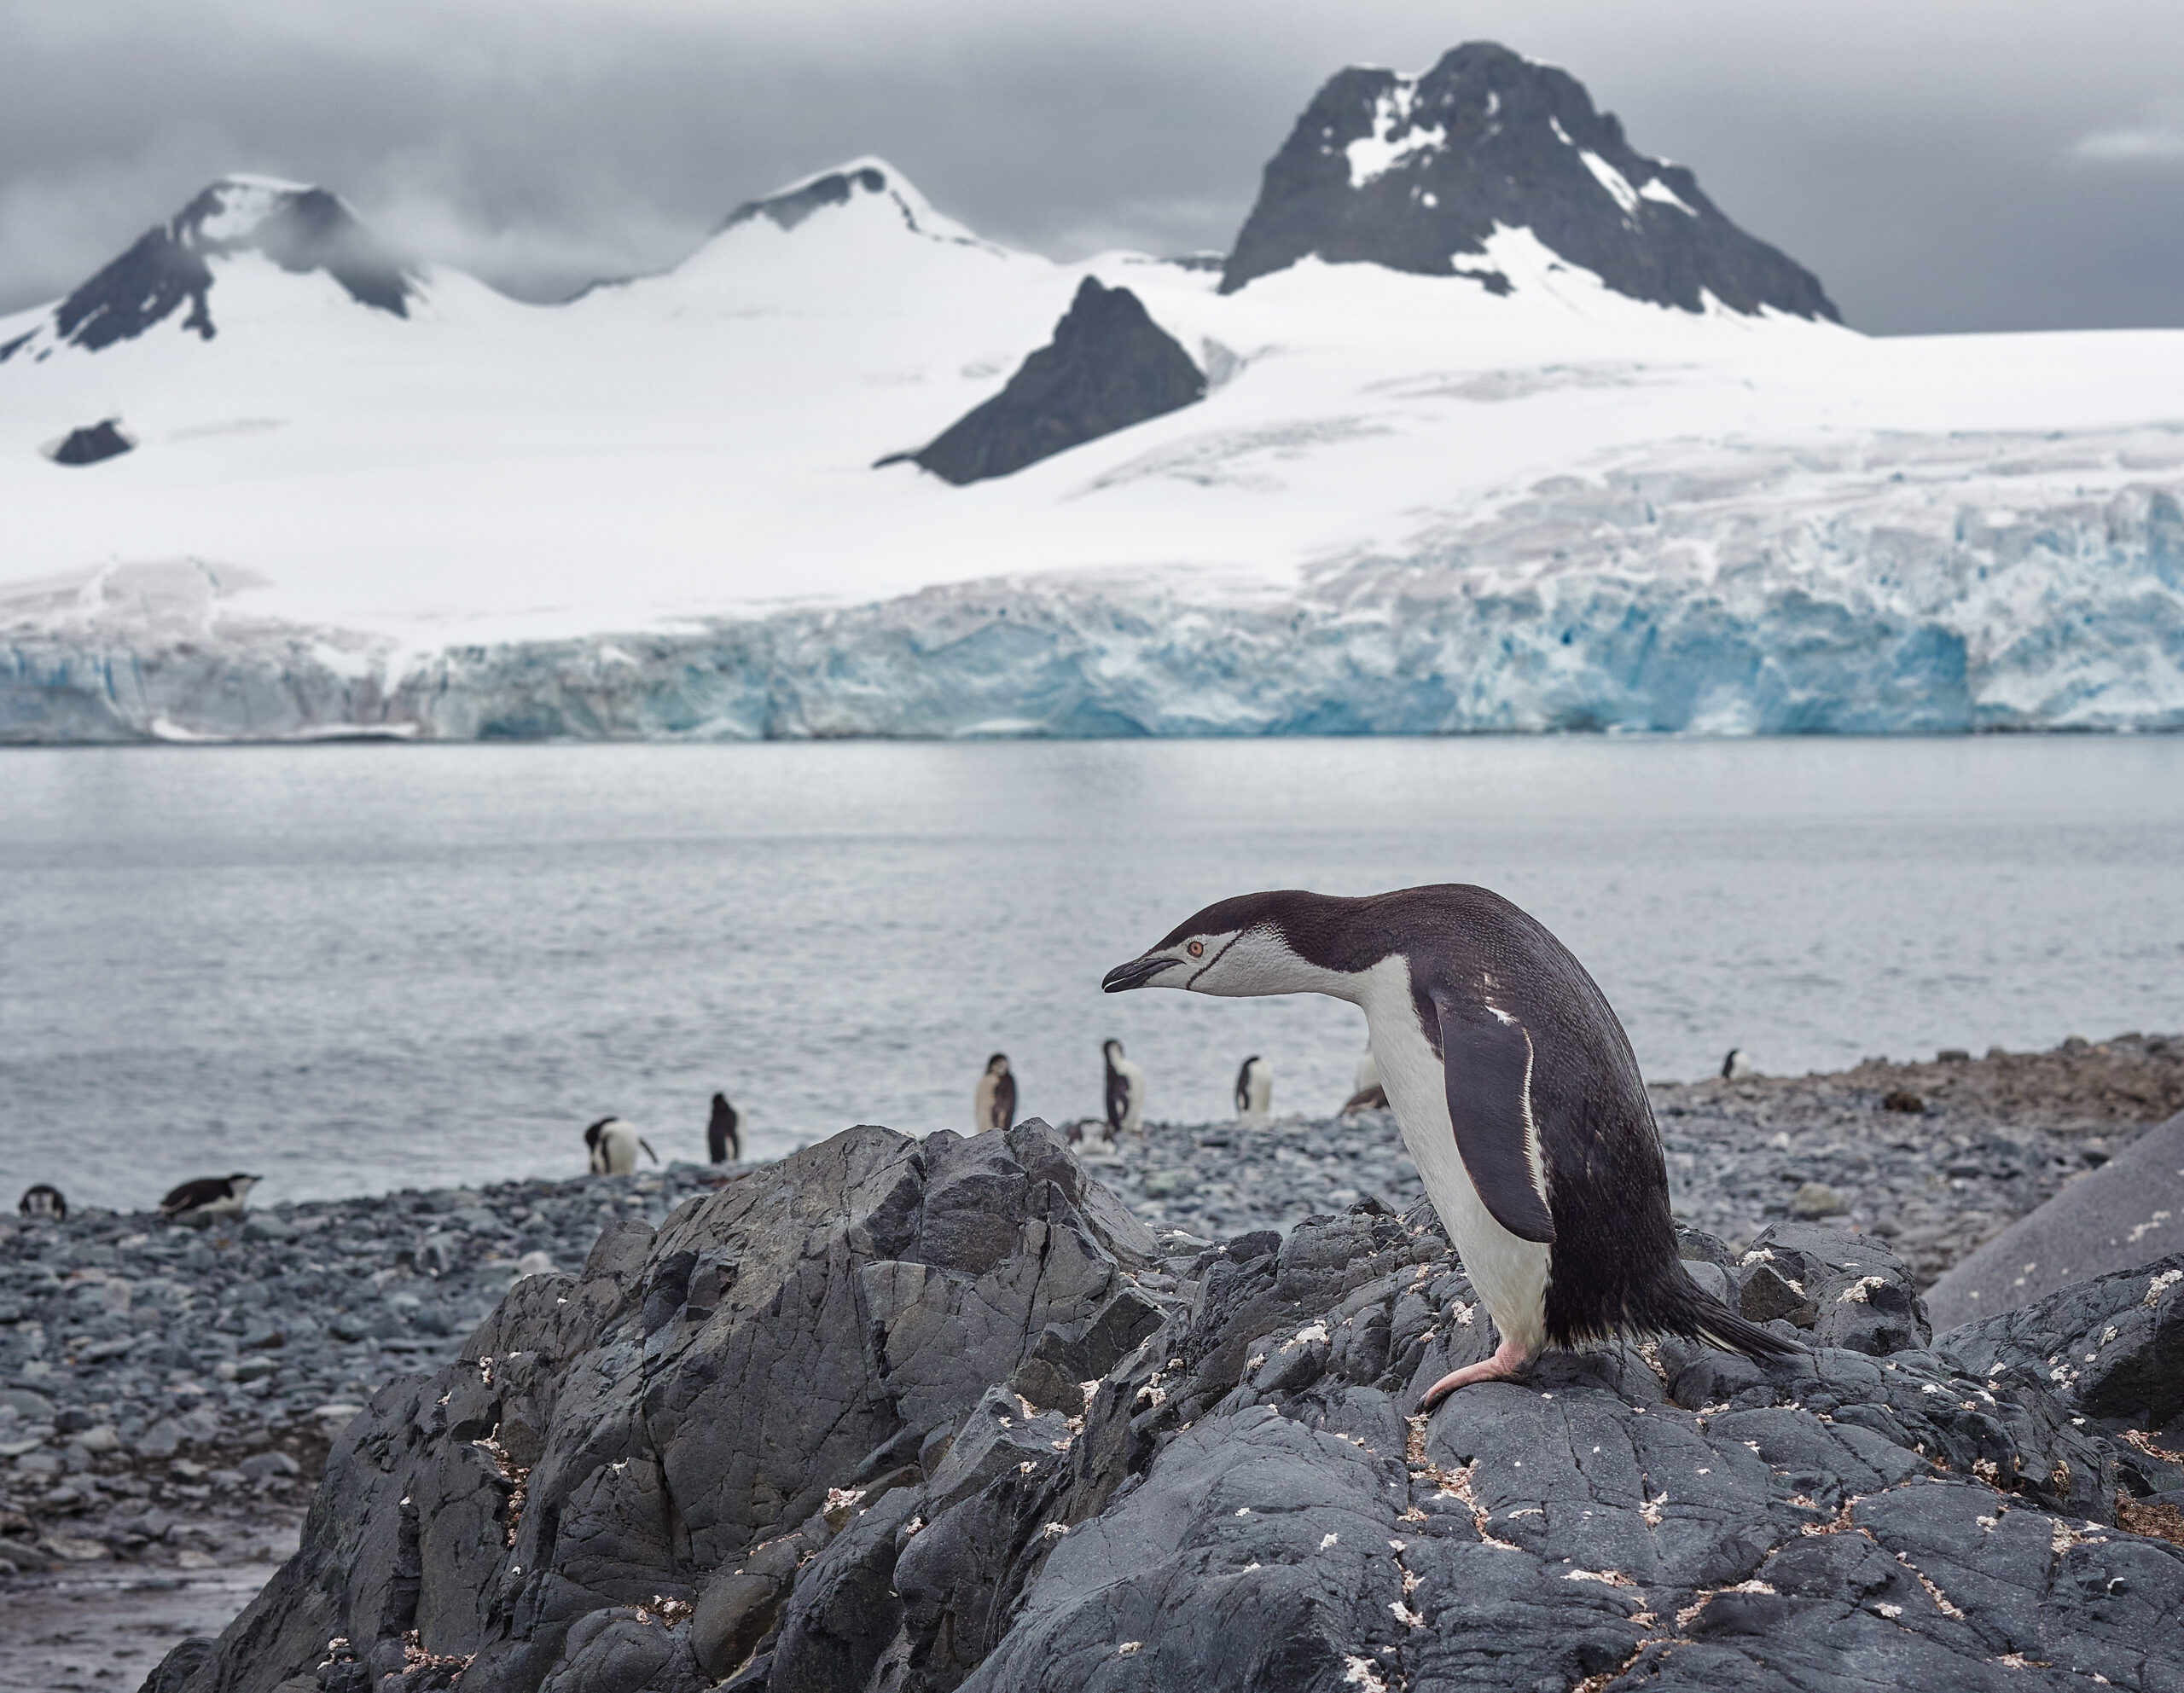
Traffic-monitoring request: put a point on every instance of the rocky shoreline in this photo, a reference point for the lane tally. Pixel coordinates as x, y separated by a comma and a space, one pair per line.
170, 1392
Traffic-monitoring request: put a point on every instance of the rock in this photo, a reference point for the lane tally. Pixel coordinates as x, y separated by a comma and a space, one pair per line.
1109, 366
73, 1547
1817, 1199
727, 1411
1170, 1184
877, 1287
2113, 1347
1418, 173
1902, 1099
2126, 1212
92, 443
176, 1668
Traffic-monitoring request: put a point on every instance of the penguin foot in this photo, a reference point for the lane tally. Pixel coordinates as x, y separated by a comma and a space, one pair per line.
1509, 1359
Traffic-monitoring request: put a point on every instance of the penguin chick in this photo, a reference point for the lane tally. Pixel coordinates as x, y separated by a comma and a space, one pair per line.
724, 1132
613, 1145
1254, 1090
993, 1102
1516, 1092
1125, 1091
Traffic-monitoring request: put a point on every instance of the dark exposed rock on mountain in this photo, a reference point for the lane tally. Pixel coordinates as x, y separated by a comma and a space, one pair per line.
166, 272
1415, 174
787, 210
1108, 365
916, 1416
93, 441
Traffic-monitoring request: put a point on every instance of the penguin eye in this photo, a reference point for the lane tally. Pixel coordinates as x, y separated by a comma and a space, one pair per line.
1196, 949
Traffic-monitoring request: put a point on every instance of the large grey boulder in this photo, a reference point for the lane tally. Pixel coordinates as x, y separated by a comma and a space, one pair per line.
774, 1447
2126, 1213
626, 1438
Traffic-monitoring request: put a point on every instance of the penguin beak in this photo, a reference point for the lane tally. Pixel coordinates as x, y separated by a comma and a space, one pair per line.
1136, 973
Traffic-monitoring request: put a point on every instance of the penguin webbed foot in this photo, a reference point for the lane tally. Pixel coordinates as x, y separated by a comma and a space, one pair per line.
1509, 1361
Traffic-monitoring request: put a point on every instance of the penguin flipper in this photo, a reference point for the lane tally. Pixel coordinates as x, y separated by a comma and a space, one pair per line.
1487, 1066
647, 1145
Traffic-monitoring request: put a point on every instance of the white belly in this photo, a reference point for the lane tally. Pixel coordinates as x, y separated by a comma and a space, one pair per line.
618, 1149
1510, 1274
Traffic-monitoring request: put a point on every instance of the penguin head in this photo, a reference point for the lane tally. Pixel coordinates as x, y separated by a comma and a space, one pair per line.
1237, 948
239, 1184
1111, 1049
997, 1064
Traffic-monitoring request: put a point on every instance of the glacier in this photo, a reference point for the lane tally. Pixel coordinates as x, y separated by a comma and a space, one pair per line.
1889, 584
1406, 503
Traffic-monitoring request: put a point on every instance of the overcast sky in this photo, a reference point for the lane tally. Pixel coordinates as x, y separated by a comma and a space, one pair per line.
2007, 165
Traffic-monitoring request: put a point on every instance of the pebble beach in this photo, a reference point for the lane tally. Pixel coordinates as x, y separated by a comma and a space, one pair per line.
167, 1391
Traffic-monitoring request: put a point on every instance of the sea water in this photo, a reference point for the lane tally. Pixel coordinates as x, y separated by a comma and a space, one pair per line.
353, 968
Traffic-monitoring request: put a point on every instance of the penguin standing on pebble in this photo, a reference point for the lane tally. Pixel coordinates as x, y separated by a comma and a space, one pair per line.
1125, 1091
993, 1103
1516, 1092
1367, 1094
1254, 1091
1737, 1065
724, 1132
613, 1144
43, 1200
209, 1196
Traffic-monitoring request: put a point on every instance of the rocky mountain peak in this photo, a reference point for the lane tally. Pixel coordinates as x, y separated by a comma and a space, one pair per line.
1417, 173
860, 181
168, 271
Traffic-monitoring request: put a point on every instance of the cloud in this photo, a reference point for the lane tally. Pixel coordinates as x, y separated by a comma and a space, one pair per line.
1932, 176
2158, 140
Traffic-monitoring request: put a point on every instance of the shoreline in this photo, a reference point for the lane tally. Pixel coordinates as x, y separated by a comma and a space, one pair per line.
168, 1392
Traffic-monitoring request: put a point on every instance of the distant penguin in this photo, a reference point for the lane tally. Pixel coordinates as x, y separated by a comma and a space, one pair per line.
993, 1103
1737, 1065
724, 1132
209, 1196
1125, 1091
1516, 1092
1254, 1090
613, 1145
43, 1200
1367, 1094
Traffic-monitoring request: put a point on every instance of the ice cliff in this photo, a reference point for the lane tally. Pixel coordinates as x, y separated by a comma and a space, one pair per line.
1893, 586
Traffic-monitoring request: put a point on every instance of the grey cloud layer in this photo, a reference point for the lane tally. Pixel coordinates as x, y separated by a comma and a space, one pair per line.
2023, 174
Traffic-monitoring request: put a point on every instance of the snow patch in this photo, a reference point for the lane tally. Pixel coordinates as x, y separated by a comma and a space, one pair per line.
1393, 141
1658, 191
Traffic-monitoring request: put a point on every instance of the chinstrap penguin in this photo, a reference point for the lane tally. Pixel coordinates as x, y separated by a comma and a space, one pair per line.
1254, 1090
1737, 1065
1367, 1094
993, 1103
613, 1145
1516, 1092
724, 1132
43, 1200
1125, 1091
209, 1196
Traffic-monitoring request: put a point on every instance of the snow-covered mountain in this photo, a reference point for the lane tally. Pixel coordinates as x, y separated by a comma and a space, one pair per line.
1442, 454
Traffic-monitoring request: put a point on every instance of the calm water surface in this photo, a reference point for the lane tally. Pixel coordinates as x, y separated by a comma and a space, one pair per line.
355, 968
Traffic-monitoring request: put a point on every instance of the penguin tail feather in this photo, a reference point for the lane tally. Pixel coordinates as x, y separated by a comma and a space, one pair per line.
1717, 1325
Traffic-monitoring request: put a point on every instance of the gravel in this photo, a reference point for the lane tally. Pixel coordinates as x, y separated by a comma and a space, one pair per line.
167, 1391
